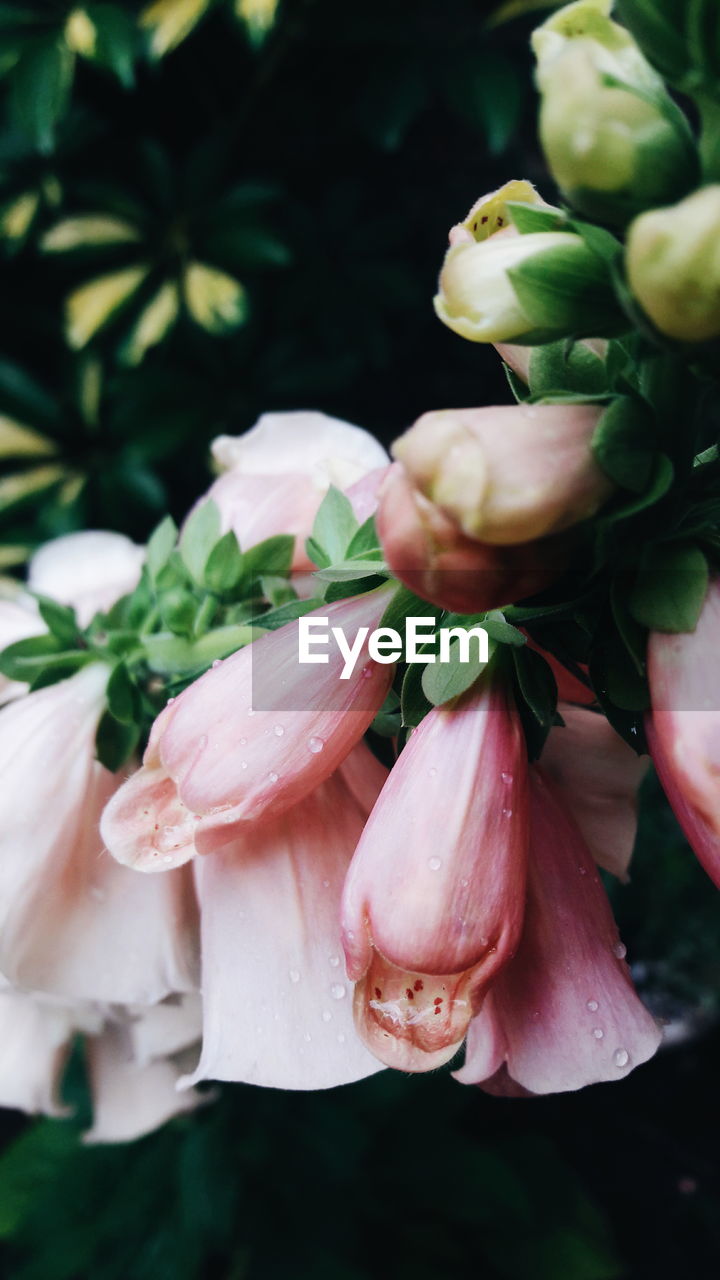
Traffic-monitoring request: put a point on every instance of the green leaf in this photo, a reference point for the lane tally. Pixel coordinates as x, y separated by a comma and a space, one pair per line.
364, 540
670, 587
271, 557
568, 288
201, 532
349, 570
123, 696
225, 565
60, 620
564, 366
25, 658
335, 525
625, 443
169, 654
276, 618
40, 89
160, 545
115, 741
178, 610
414, 705
532, 217
442, 681
537, 685
117, 41
499, 630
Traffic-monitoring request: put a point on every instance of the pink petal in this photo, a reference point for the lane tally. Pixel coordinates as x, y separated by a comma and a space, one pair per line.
257, 733
325, 449
598, 776
276, 1003
89, 570
703, 840
565, 1005
34, 1044
164, 1029
437, 888
146, 826
130, 1100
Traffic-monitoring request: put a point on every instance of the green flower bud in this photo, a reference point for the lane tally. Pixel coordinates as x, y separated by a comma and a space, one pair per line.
526, 288
615, 141
682, 40
673, 266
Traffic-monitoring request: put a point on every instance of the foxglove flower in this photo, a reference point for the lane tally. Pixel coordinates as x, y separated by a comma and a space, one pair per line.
73, 923
277, 1009
248, 739
563, 1013
428, 551
433, 904
508, 474
89, 570
276, 475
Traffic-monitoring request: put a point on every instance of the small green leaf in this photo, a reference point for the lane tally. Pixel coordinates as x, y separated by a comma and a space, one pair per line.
225, 565
115, 742
335, 525
349, 570
160, 545
442, 681
414, 705
123, 697
566, 366
532, 217
364, 540
201, 532
178, 610
670, 587
60, 620
272, 557
625, 443
537, 685
41, 84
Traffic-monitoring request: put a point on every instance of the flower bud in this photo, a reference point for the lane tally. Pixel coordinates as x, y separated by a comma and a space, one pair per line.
490, 213
433, 557
615, 141
508, 474
662, 29
526, 288
673, 265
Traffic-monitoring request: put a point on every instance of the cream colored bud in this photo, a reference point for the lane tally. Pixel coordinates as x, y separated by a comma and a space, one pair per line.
673, 266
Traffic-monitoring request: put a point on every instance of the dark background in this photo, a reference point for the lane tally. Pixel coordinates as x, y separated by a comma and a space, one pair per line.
356, 134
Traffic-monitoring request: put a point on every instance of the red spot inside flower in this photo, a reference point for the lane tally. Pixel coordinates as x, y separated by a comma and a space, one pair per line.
410, 993
500, 222
437, 1000
437, 1009
378, 993
419, 984
157, 826
484, 219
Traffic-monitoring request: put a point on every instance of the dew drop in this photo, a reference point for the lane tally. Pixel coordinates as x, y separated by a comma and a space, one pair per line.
169, 702
202, 742
507, 813
341, 1038
583, 871
507, 778
326, 884
367, 672
243, 742
334, 961
326, 1015
278, 731
621, 1057
598, 1033
620, 950
217, 663
593, 1006
294, 975
243, 764
307, 1037
337, 990
273, 777
434, 863
315, 745
251, 711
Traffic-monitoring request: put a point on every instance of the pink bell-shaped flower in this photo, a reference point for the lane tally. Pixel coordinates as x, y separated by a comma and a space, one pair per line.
563, 1013
434, 899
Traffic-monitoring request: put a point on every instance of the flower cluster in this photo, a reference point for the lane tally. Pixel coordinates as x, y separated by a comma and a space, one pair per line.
309, 877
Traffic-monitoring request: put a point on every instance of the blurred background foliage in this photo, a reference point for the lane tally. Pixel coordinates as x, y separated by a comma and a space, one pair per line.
211, 208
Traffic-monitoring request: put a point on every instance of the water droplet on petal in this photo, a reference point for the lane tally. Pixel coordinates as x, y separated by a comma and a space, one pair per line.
294, 975
337, 990
217, 663
307, 1037
202, 742
334, 960
620, 950
593, 1006
169, 702
315, 745
243, 742
243, 764
507, 813
341, 1038
621, 1057
434, 863
367, 672
583, 871
273, 777
507, 778
598, 1033
326, 1015
278, 731
251, 711
326, 884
